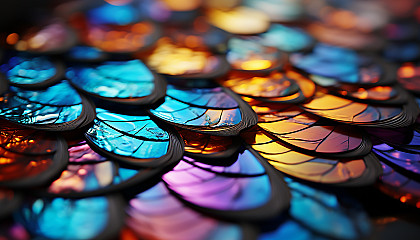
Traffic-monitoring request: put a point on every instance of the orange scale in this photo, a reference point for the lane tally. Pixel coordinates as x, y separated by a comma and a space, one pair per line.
15, 166
204, 144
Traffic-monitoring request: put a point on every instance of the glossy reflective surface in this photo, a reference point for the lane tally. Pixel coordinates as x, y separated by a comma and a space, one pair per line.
210, 190
122, 79
133, 136
57, 104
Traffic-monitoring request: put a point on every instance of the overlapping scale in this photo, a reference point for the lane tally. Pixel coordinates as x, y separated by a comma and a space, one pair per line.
90, 174
309, 132
135, 140
29, 157
125, 82
357, 113
231, 65
165, 217
209, 147
279, 87
31, 71
100, 216
214, 111
239, 191
57, 108
344, 65
363, 170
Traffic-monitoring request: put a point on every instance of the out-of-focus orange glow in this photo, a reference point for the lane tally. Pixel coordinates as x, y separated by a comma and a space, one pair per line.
12, 38
343, 19
375, 93
171, 59
240, 20
142, 28
257, 64
193, 41
127, 234
5, 160
182, 5
406, 71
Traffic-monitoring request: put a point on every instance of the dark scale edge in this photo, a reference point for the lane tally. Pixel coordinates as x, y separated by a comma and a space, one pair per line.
4, 84
407, 117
